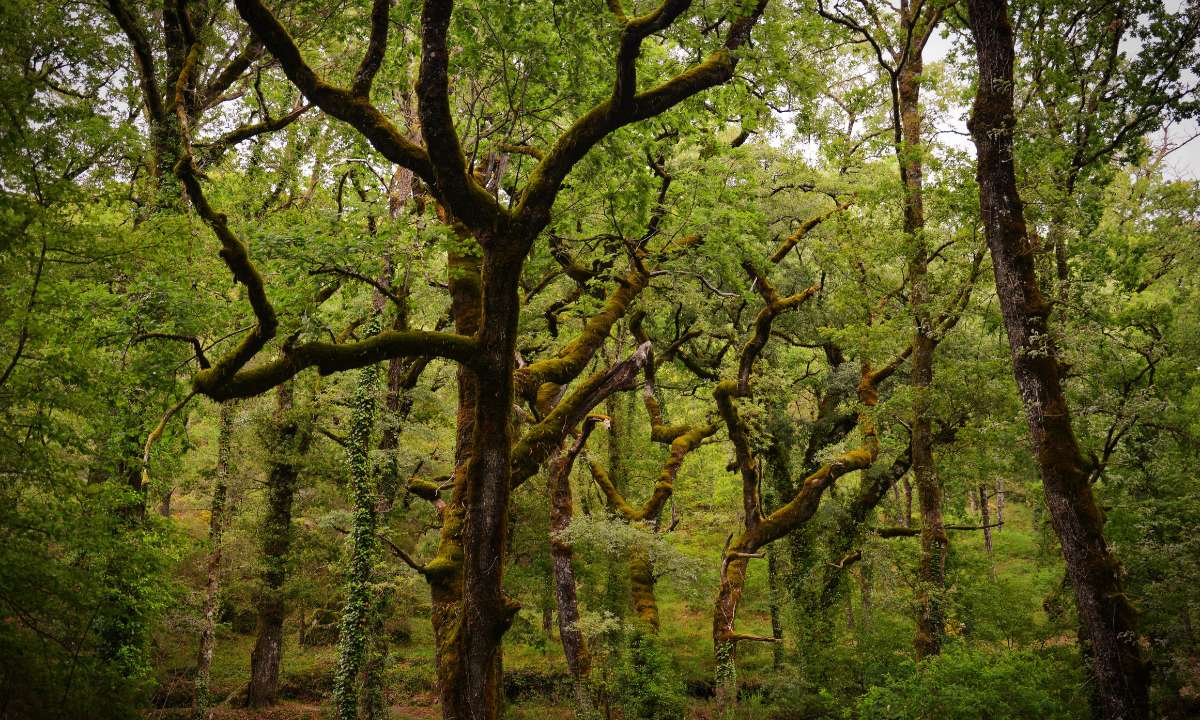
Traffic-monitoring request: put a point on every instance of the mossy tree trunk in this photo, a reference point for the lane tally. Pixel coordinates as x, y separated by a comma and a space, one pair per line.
212, 585
288, 441
355, 621
1109, 622
566, 601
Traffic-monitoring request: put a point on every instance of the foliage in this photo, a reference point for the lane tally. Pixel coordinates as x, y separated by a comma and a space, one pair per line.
964, 683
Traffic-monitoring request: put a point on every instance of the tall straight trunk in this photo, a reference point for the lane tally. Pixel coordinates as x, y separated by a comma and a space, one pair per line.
289, 441
1120, 676
934, 542
355, 622
212, 584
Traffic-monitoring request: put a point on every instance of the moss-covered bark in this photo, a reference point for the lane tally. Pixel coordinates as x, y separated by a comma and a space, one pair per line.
212, 585
288, 441
1121, 677
681, 440
355, 621
561, 508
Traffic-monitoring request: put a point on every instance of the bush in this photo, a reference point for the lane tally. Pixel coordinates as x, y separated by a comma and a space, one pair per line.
967, 684
648, 686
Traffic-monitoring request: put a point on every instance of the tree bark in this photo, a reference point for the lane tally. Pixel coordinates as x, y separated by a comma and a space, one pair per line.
934, 542
356, 620
574, 645
1120, 676
985, 521
618, 590
444, 572
1000, 493
212, 584
289, 440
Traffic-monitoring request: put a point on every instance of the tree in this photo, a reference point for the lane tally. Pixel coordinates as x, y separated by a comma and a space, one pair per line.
1107, 617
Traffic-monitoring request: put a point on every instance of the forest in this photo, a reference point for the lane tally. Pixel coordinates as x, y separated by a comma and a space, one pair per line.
622, 360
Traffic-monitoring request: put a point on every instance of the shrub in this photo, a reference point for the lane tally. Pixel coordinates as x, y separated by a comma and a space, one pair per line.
964, 683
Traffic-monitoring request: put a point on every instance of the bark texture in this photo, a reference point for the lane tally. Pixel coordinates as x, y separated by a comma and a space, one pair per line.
1120, 675
566, 601
356, 620
212, 584
289, 441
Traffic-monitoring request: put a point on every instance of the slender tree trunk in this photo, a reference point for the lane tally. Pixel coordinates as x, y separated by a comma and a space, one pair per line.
908, 498
865, 587
574, 645
774, 587
289, 441
1000, 504
1120, 676
212, 585
934, 541
352, 635
985, 517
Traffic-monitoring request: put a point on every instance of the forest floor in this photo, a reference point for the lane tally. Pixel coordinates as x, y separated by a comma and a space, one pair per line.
533, 660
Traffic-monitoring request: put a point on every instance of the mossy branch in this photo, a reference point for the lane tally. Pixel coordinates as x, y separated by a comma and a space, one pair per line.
805, 228
574, 357
540, 440
330, 357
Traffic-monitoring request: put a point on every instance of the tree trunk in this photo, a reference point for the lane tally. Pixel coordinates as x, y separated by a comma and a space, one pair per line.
212, 584
355, 621
1000, 504
934, 542
445, 571
487, 612
1120, 676
985, 521
641, 586
908, 498
865, 586
618, 589
289, 441
774, 587
574, 646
